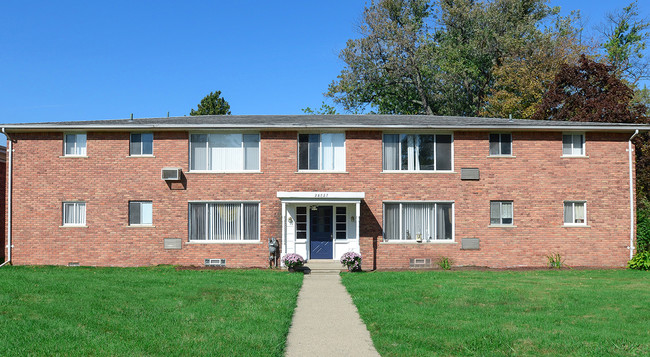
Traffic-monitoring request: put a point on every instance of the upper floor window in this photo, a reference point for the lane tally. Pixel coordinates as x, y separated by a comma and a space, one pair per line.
573, 145
501, 212
224, 221
418, 221
74, 213
575, 213
500, 144
224, 152
141, 144
140, 213
413, 152
321, 152
74, 145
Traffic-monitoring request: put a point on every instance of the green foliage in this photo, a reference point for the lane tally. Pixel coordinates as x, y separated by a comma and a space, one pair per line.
640, 261
643, 230
555, 261
324, 109
439, 57
626, 34
444, 263
212, 104
154, 311
505, 313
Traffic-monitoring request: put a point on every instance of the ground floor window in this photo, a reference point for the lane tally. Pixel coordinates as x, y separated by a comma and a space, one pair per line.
501, 212
224, 221
140, 213
74, 213
427, 221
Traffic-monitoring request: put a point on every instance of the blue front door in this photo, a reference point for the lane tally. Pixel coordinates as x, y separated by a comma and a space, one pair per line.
320, 233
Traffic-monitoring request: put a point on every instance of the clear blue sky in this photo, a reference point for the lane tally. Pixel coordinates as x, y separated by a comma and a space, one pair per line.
87, 60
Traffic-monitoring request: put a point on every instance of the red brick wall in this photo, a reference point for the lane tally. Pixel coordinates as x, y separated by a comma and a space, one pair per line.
3, 192
537, 179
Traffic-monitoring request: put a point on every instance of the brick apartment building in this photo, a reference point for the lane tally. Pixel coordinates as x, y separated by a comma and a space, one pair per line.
401, 190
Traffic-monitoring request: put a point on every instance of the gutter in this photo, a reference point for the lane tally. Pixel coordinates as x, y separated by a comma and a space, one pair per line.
9, 189
629, 153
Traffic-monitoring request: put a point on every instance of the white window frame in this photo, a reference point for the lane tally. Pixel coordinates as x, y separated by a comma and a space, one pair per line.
435, 153
573, 208
500, 141
584, 145
140, 208
512, 210
401, 223
320, 151
141, 145
242, 170
75, 205
65, 144
241, 239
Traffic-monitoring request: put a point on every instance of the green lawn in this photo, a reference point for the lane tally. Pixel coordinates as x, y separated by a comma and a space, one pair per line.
488, 313
144, 311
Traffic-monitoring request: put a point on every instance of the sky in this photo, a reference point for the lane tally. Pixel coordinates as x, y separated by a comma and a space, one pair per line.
90, 60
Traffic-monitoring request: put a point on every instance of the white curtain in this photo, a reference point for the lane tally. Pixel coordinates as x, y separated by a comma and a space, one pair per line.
568, 212
418, 219
391, 221
80, 213
251, 151
391, 152
579, 212
577, 145
251, 219
506, 212
225, 222
443, 222
68, 213
146, 213
197, 221
225, 152
332, 152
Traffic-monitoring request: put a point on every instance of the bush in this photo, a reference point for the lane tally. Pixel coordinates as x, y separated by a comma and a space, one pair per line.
293, 260
640, 261
444, 263
352, 261
643, 230
555, 261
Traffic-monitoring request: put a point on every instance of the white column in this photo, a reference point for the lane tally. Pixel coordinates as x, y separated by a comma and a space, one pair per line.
284, 229
356, 220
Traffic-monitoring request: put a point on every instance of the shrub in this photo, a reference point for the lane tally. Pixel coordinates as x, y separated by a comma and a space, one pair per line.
444, 263
643, 230
293, 260
640, 261
352, 261
555, 261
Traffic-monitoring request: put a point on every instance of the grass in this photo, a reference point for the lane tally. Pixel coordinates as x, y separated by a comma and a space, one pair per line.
144, 311
488, 313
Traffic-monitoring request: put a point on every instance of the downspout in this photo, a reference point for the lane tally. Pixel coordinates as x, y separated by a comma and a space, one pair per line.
9, 175
629, 153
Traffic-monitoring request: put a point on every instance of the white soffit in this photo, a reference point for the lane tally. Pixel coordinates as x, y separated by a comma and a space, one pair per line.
321, 196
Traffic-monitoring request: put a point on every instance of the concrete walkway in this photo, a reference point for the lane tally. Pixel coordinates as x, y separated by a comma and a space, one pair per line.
326, 322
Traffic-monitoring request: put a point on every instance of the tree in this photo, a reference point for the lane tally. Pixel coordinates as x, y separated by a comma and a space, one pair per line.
324, 109
626, 34
590, 92
523, 77
418, 57
212, 104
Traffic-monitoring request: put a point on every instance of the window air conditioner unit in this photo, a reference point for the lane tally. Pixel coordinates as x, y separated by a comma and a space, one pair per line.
170, 173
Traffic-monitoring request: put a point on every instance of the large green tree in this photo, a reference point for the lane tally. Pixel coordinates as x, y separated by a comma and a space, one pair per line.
435, 57
212, 104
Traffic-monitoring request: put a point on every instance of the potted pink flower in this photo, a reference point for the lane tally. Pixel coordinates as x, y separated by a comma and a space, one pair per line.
352, 261
293, 261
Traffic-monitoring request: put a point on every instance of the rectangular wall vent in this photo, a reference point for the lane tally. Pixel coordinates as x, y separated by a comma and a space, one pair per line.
420, 263
469, 244
469, 174
170, 173
215, 262
172, 243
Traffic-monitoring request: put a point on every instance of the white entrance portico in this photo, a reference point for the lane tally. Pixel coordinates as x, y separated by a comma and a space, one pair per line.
320, 225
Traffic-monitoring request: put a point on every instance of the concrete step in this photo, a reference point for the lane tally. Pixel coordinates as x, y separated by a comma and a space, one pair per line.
318, 266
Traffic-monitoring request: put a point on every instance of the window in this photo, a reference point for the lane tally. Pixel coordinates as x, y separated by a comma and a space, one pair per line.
229, 221
573, 145
500, 144
301, 222
224, 152
428, 221
500, 212
341, 223
141, 144
74, 145
74, 213
321, 152
575, 212
140, 213
412, 152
